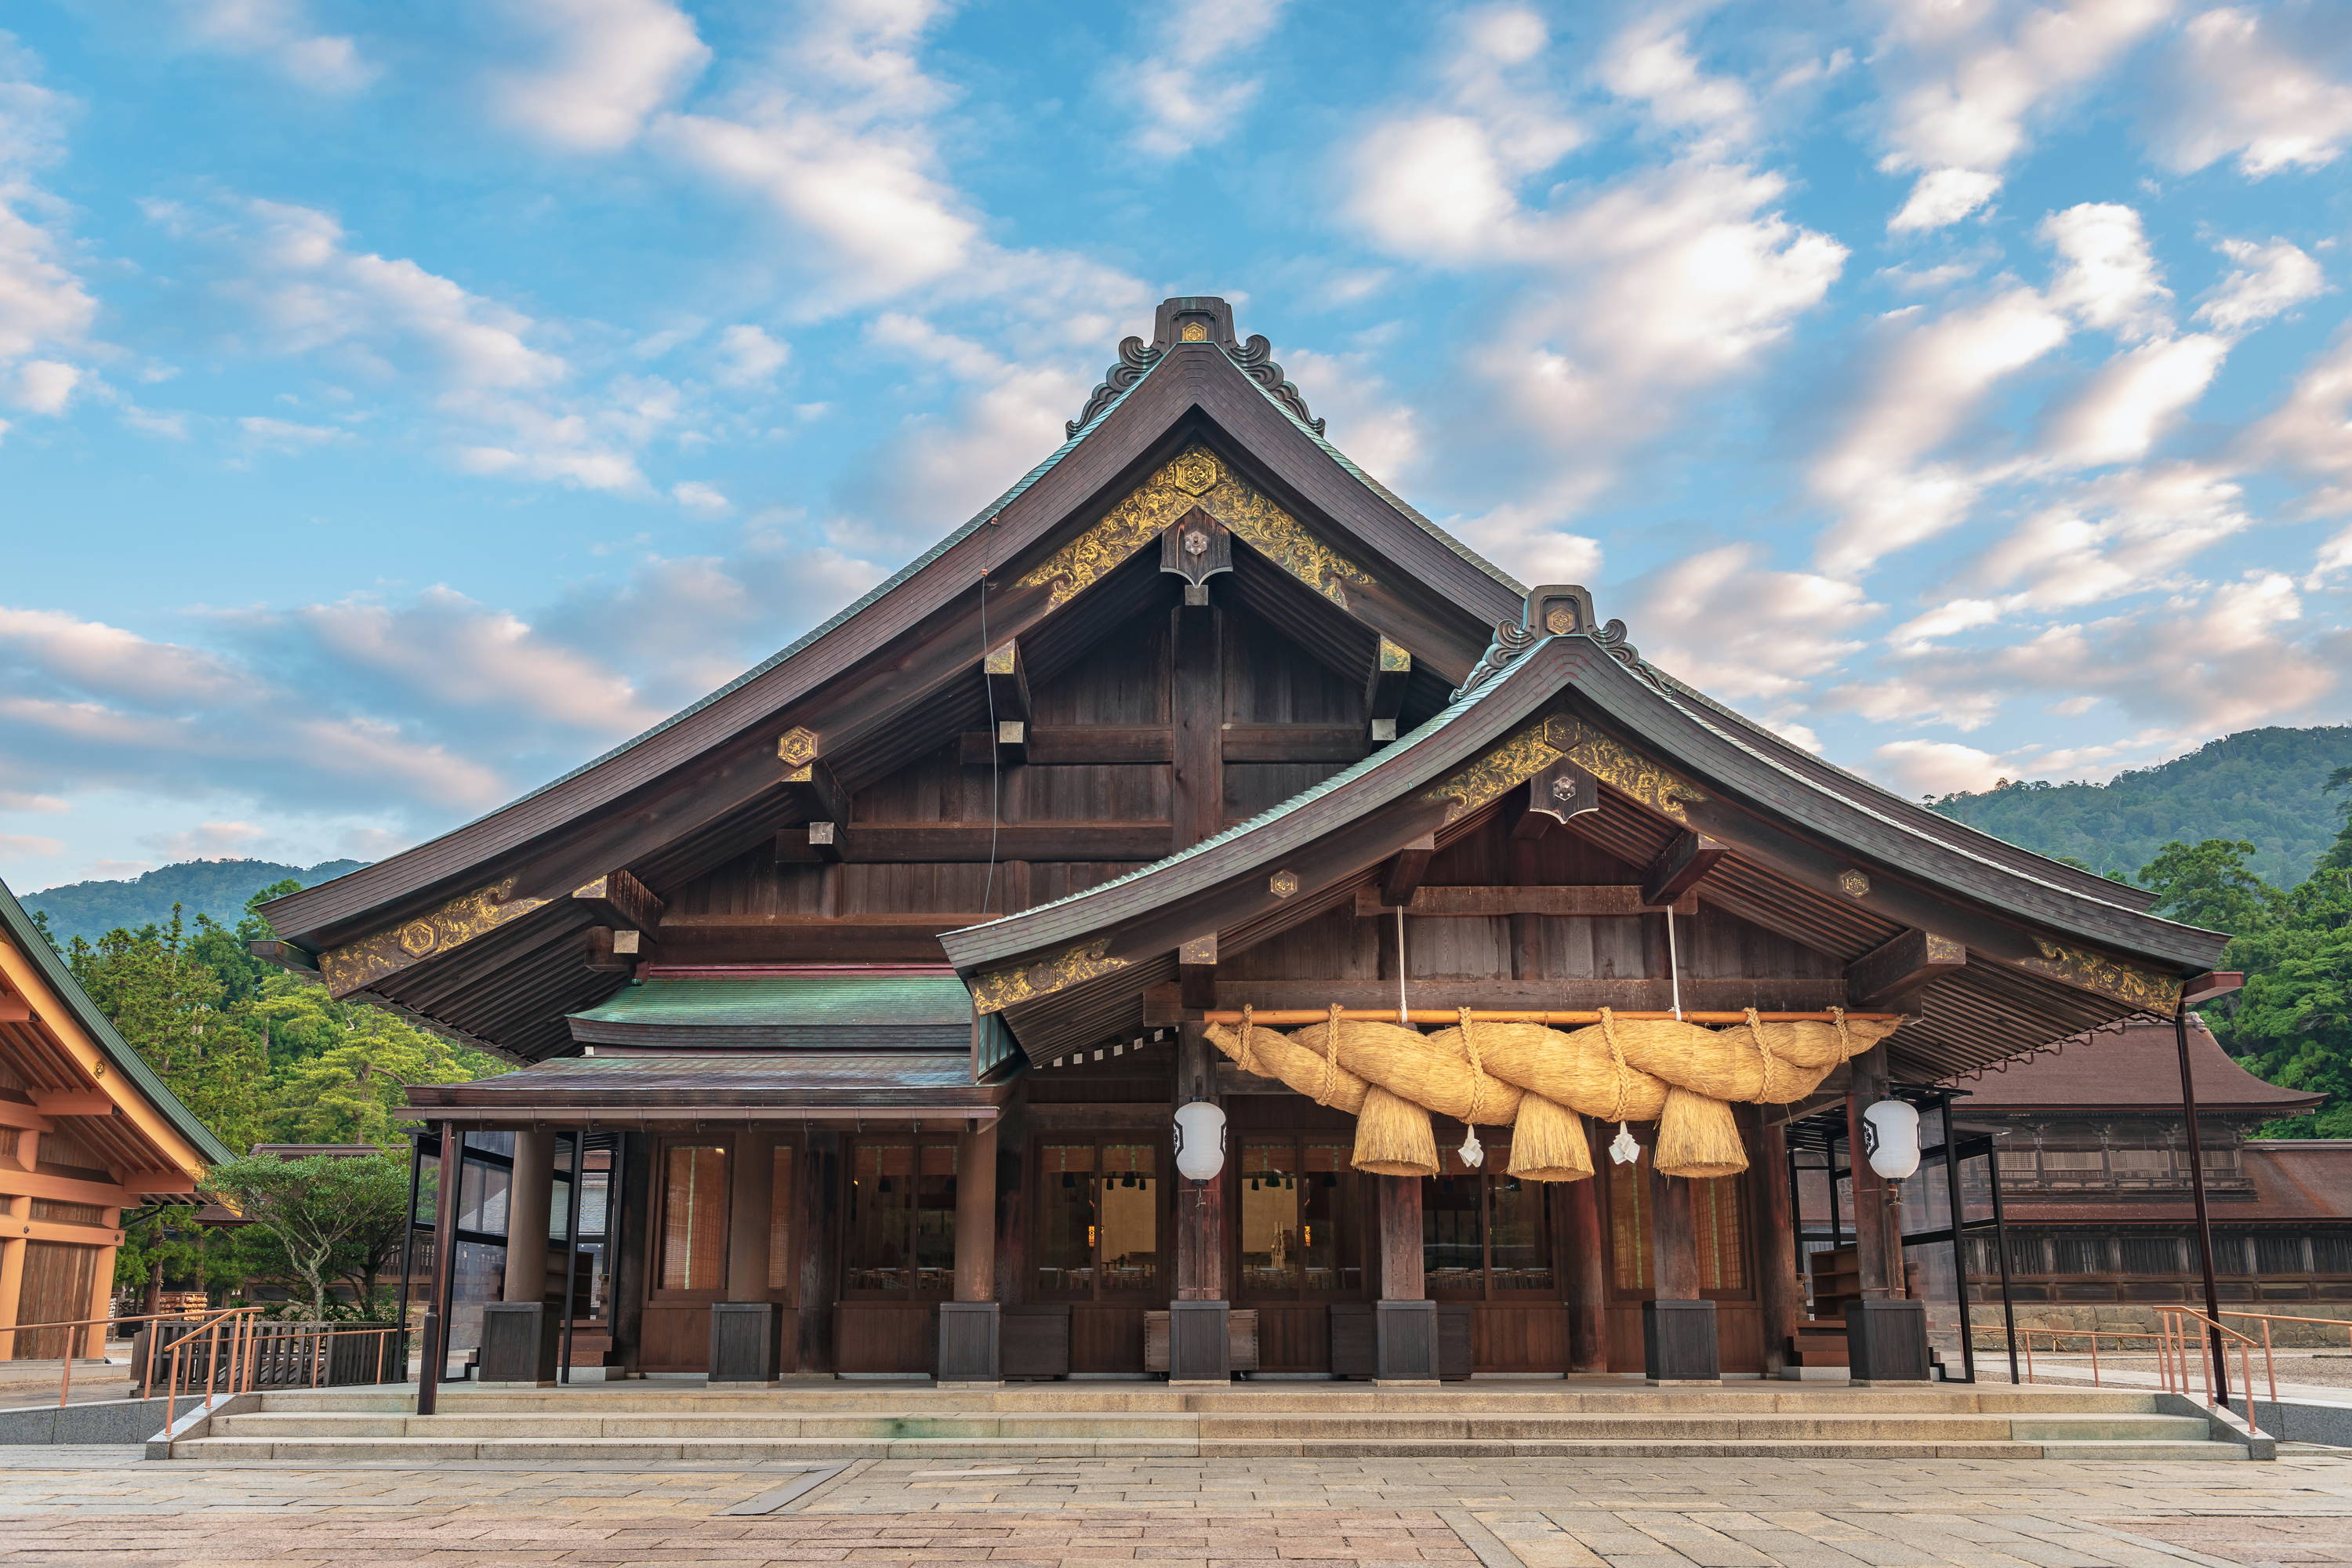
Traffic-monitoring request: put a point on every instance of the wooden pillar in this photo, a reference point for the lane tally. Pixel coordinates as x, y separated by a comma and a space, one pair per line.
1588, 1274
1780, 1294
1196, 692
751, 1190
1404, 1321
975, 1234
12, 1281
1678, 1334
1200, 1206
634, 1166
101, 1295
1878, 1246
820, 1225
445, 1272
530, 1192
1400, 1238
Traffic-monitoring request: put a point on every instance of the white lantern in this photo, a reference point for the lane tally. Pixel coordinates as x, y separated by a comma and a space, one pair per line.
1890, 1138
1200, 1140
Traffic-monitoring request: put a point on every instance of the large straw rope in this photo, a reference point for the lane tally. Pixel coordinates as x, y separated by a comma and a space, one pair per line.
1616, 1070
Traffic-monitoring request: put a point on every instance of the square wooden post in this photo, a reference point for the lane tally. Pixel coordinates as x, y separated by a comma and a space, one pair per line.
971, 1330
1678, 1334
1404, 1321
519, 1331
1885, 1333
1780, 1294
746, 1328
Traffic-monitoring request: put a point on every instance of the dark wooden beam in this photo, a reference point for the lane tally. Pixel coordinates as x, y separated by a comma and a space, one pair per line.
1164, 1003
815, 793
2212, 984
619, 899
1196, 687
901, 842
1562, 791
1402, 876
1293, 743
600, 956
284, 954
1469, 903
1681, 866
1896, 971
1077, 745
1008, 681
1196, 971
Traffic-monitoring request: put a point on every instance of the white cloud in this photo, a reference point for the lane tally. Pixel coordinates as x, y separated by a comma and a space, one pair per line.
1931, 378
288, 434
2312, 426
1650, 62
605, 68
30, 846
748, 357
18, 800
2268, 281
1736, 629
2106, 275
1900, 702
2274, 88
1941, 197
1938, 767
92, 657
208, 841
1946, 619
2134, 399
279, 32
1964, 79
45, 307
2126, 533
697, 497
1189, 88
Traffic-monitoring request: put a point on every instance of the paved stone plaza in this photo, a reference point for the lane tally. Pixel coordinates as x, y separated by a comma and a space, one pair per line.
111, 1506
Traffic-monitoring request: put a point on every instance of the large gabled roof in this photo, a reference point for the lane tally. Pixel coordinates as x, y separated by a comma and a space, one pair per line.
1216, 384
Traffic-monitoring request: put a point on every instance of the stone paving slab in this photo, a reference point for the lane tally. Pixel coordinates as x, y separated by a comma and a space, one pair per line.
108, 1507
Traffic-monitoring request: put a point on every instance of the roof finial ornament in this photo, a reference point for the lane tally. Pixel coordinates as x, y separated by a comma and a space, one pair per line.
1192, 319
1552, 610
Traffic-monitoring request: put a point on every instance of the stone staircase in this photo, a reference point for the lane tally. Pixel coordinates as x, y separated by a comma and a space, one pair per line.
653, 1424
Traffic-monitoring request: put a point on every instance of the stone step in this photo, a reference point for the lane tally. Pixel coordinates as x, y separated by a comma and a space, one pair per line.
594, 1402
566, 1452
1178, 1426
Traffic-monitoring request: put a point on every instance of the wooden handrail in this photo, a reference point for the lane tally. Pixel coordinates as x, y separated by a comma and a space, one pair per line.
1276, 1018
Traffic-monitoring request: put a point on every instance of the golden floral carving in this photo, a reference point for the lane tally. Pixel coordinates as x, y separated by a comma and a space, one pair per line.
997, 989
2143, 988
1194, 333
1395, 657
356, 965
1002, 658
1631, 774
1160, 500
1517, 760
796, 747
1282, 884
1854, 884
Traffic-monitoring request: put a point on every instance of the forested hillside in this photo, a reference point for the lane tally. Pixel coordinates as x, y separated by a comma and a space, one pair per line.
216, 887
2264, 786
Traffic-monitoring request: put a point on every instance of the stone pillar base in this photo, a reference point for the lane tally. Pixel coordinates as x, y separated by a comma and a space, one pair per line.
1200, 1342
519, 1341
1404, 1341
1886, 1342
746, 1342
1678, 1342
969, 1334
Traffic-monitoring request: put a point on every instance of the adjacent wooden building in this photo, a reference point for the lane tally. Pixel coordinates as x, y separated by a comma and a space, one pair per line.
86, 1130
883, 971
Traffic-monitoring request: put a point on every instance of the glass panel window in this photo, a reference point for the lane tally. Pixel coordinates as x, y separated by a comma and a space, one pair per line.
1518, 1242
694, 1217
901, 1238
1721, 1233
1099, 1221
482, 1197
1271, 1263
1629, 1226
1453, 1250
1330, 1202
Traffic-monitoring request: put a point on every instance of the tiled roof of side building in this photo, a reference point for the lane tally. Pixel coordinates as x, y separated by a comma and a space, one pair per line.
2127, 1066
26, 938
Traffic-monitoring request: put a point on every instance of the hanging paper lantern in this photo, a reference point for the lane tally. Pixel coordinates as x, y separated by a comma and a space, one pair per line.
1890, 1138
1200, 1140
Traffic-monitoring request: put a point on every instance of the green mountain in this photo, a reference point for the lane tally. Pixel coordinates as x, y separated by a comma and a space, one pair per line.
216, 887
2265, 786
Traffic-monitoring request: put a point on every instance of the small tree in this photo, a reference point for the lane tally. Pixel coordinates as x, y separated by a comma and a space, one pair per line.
326, 1216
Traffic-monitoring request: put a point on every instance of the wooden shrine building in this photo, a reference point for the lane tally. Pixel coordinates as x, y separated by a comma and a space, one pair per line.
88, 1133
1201, 781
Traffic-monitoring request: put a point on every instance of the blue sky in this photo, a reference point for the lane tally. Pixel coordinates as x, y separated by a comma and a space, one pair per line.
403, 403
